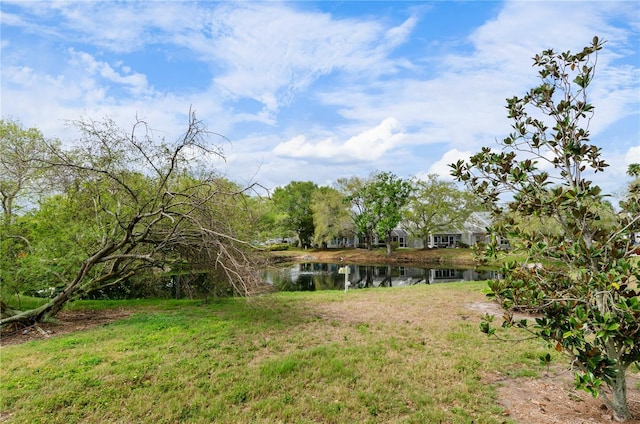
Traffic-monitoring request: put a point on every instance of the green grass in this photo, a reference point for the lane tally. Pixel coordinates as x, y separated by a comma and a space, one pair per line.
408, 355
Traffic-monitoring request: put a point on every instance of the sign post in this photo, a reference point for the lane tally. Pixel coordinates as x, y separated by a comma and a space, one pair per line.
345, 270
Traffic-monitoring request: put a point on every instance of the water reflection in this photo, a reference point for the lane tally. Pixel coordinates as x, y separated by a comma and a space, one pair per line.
324, 276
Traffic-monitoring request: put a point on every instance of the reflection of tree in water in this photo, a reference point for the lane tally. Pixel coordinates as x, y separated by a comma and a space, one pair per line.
323, 276
425, 277
386, 281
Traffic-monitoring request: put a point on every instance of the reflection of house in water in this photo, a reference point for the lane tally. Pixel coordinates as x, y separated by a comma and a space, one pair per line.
453, 275
395, 276
362, 276
446, 275
323, 276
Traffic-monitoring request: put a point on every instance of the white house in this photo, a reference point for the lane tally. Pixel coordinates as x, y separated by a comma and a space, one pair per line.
473, 231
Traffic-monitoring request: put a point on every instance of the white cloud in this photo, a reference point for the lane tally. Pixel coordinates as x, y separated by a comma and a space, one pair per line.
632, 156
271, 52
441, 166
369, 145
135, 82
12, 19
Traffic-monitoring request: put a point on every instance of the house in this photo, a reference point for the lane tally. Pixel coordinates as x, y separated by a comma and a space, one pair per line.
400, 236
473, 231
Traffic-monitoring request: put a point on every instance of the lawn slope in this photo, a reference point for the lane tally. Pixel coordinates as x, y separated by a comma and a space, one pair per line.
404, 355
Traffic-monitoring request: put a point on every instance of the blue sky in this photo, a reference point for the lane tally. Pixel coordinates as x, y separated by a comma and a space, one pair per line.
315, 91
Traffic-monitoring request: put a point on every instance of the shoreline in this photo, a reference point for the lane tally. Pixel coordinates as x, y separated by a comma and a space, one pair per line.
402, 256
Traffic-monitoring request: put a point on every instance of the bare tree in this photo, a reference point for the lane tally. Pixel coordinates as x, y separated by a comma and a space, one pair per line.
148, 211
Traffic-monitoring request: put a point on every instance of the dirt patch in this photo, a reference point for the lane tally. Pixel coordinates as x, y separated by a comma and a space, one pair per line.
554, 400
65, 322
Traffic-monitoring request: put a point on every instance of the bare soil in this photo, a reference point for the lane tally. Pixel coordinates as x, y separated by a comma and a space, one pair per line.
65, 322
461, 257
553, 399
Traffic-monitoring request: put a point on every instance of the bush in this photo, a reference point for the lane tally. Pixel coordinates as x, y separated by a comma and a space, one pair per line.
277, 247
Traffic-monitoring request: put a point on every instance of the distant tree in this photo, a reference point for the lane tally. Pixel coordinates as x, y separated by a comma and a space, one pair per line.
547, 227
331, 216
265, 221
351, 189
435, 206
294, 200
631, 201
22, 177
20, 149
133, 205
381, 200
587, 291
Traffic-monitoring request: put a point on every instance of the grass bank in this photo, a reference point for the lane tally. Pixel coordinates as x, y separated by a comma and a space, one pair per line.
406, 355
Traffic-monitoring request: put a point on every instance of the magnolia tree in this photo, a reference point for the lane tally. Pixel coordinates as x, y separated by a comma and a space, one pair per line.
131, 205
584, 280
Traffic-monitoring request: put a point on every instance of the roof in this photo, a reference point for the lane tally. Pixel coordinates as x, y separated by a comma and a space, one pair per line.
478, 222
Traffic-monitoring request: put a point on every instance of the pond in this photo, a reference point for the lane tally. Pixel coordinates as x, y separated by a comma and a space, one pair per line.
327, 276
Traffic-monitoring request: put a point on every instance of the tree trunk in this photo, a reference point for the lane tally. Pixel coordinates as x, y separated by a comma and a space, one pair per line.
33, 316
6, 311
55, 305
619, 395
618, 384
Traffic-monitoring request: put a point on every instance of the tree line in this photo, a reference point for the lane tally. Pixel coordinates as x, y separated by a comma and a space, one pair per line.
116, 206
369, 208
113, 207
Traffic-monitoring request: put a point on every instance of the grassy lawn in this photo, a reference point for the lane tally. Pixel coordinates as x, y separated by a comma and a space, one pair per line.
404, 355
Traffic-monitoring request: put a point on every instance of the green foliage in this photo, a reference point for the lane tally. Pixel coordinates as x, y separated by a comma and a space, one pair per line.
275, 247
437, 206
265, 221
128, 206
631, 201
379, 203
331, 217
587, 291
294, 201
52, 243
21, 153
